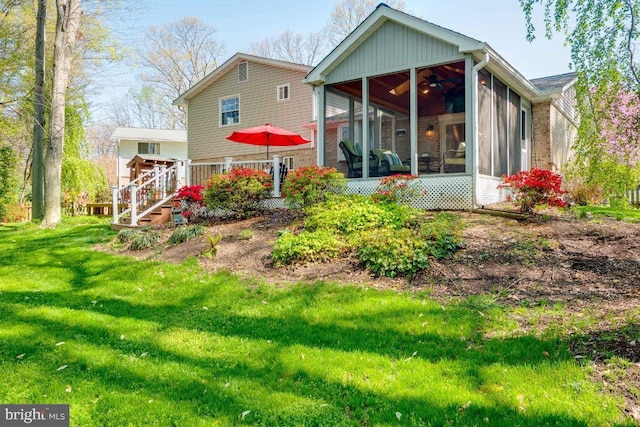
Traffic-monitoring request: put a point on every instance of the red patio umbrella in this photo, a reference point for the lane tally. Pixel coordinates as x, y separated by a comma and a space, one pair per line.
267, 135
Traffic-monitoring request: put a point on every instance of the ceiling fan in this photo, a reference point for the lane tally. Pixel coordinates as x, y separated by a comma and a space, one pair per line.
434, 82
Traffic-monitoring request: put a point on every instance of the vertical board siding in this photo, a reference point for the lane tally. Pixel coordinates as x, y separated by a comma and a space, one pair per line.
258, 105
391, 47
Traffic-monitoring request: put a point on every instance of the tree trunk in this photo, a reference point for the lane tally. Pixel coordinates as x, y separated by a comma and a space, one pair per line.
67, 25
37, 182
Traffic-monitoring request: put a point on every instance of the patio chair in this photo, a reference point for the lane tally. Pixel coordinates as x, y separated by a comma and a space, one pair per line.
393, 163
283, 173
454, 160
354, 160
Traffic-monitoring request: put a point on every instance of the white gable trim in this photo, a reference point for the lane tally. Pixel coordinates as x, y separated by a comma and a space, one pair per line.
382, 14
229, 65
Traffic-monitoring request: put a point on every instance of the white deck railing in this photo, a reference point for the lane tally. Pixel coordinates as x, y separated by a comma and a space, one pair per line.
198, 173
145, 194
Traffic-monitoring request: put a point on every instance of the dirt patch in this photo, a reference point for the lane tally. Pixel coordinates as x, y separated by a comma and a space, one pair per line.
589, 269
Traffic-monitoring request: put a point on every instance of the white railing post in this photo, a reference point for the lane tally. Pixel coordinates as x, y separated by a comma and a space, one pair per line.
163, 180
187, 172
227, 164
276, 176
134, 204
156, 172
115, 203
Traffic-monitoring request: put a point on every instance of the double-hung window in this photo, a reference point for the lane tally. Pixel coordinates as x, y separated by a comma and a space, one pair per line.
148, 148
284, 92
230, 111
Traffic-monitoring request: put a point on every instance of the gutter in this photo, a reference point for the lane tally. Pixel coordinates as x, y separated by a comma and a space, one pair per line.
474, 123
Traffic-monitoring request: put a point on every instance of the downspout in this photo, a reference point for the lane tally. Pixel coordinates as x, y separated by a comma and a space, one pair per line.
474, 124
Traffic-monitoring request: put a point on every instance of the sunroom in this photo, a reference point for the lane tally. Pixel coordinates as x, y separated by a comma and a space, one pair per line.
421, 99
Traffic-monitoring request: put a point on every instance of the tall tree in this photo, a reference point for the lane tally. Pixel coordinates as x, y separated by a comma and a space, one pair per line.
602, 35
37, 177
68, 13
348, 14
176, 56
298, 48
309, 48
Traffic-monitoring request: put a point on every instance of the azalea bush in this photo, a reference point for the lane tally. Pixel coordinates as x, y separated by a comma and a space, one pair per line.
238, 192
192, 202
532, 188
310, 185
397, 188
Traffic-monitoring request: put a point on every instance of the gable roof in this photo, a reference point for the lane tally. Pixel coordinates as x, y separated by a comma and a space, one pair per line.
146, 134
557, 83
383, 13
228, 65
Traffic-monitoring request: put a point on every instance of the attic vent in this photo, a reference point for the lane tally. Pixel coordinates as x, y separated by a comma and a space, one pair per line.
243, 72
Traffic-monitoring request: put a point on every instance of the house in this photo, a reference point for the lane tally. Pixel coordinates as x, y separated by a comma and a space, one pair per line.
244, 92
446, 105
140, 148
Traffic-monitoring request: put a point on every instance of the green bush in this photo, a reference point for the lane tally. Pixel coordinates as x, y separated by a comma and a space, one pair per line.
309, 185
352, 214
389, 239
388, 252
8, 181
185, 232
238, 192
307, 246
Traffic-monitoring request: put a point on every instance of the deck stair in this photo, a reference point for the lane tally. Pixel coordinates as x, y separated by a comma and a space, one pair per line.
148, 199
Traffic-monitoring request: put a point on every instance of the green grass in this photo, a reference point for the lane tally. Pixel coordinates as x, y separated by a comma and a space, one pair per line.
629, 214
133, 343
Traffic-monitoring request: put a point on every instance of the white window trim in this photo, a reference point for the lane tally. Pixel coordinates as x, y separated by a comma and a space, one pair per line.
246, 64
220, 124
288, 86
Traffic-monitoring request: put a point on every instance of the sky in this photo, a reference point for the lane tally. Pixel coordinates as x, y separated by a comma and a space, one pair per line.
239, 23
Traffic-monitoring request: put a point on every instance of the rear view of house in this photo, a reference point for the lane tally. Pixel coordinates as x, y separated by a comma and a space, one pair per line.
244, 92
401, 92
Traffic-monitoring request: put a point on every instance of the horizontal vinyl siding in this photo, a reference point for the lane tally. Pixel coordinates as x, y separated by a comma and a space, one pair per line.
563, 133
392, 47
258, 105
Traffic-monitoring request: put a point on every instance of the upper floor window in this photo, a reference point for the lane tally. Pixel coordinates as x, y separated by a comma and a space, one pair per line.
243, 71
283, 92
148, 148
230, 110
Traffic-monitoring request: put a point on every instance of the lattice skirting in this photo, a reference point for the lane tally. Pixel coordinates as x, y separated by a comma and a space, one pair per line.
487, 191
440, 192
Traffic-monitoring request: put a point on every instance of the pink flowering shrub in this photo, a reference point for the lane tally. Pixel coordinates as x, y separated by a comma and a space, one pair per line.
617, 116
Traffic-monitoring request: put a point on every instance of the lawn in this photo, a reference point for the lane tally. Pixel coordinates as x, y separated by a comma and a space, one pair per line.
142, 343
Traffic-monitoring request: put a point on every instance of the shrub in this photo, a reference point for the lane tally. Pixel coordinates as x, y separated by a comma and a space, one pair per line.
396, 189
238, 191
144, 239
534, 188
245, 234
8, 180
348, 215
391, 253
310, 185
583, 193
307, 246
185, 232
192, 203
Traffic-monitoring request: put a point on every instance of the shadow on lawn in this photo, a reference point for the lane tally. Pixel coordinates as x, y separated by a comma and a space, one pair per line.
211, 386
203, 390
